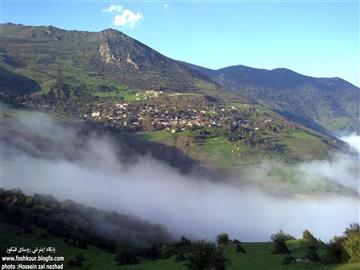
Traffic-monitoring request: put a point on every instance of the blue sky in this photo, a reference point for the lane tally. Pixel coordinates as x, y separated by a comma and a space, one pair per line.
311, 37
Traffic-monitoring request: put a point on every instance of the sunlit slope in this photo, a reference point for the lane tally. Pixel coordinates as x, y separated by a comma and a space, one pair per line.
79, 64
272, 137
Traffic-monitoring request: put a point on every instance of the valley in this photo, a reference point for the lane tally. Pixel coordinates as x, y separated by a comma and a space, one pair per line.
83, 75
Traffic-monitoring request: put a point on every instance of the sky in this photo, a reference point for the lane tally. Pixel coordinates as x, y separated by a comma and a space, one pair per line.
316, 38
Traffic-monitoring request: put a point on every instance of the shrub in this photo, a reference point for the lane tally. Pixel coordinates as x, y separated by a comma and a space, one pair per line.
353, 228
280, 247
335, 252
153, 252
307, 235
77, 261
235, 241
308, 240
351, 243
240, 248
183, 244
282, 236
81, 243
289, 260
14, 215
26, 228
222, 239
125, 254
57, 228
279, 242
180, 258
312, 255
310, 244
79, 239
167, 251
206, 256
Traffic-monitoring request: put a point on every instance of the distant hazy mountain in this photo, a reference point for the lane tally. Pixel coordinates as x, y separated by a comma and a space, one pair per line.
332, 103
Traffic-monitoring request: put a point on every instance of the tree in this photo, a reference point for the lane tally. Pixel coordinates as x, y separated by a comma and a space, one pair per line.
240, 248
14, 215
335, 252
280, 247
312, 255
345, 248
206, 256
222, 239
353, 228
310, 241
153, 252
167, 251
125, 254
282, 236
351, 243
279, 242
236, 241
183, 245
307, 235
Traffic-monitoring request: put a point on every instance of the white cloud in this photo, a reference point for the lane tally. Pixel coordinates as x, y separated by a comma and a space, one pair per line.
127, 17
113, 8
102, 175
353, 140
165, 6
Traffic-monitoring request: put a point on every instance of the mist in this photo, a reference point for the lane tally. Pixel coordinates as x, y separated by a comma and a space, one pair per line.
42, 156
353, 140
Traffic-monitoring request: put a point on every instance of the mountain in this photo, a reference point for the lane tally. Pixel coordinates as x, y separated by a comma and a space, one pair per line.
77, 63
117, 82
330, 103
49, 63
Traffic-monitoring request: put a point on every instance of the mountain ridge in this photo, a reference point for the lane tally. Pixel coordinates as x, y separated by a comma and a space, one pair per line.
65, 64
320, 103
114, 81
109, 52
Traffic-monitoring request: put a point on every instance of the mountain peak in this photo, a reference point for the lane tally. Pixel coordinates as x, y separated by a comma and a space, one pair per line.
109, 53
112, 32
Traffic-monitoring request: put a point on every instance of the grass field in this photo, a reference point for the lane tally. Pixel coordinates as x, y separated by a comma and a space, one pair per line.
240, 158
258, 256
95, 258
219, 151
303, 144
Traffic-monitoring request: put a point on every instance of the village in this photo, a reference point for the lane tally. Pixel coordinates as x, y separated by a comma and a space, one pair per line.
147, 115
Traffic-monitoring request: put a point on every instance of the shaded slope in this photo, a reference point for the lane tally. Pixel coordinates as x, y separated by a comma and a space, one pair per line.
317, 102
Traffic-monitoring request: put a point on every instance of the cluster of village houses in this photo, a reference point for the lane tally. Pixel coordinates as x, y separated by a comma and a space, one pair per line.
146, 116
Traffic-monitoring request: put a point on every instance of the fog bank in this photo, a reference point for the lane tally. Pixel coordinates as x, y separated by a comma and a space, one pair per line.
87, 169
353, 140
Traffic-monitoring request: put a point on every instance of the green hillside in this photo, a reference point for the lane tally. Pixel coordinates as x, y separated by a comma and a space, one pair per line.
78, 63
330, 103
112, 81
225, 150
258, 256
